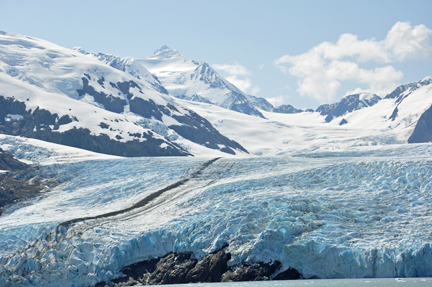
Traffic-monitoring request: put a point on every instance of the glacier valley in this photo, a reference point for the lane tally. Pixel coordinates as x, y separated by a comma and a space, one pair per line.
345, 214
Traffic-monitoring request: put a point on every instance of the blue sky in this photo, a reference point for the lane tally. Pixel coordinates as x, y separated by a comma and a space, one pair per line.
302, 53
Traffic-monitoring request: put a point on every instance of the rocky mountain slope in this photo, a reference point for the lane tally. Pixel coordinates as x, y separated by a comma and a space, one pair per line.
125, 106
347, 104
64, 96
188, 79
355, 123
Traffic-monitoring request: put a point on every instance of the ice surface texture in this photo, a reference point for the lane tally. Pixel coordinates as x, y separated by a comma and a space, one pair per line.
330, 215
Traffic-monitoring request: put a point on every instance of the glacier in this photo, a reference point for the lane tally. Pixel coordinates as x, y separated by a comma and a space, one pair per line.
345, 214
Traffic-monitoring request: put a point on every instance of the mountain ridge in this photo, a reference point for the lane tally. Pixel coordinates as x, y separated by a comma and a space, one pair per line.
72, 97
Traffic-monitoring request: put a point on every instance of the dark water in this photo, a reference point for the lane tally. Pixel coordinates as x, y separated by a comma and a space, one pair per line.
387, 282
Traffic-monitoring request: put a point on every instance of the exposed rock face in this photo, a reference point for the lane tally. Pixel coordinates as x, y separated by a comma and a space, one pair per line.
8, 162
111, 103
287, 109
289, 274
129, 66
343, 122
178, 268
210, 268
346, 105
13, 189
261, 103
172, 269
394, 114
401, 92
423, 131
42, 124
256, 272
194, 127
239, 103
200, 130
20, 182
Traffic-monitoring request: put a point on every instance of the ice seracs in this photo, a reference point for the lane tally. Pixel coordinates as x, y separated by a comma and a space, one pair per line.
346, 214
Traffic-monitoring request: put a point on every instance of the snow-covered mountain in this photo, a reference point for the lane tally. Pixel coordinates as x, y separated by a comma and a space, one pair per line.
348, 104
187, 79
116, 105
65, 96
289, 109
357, 121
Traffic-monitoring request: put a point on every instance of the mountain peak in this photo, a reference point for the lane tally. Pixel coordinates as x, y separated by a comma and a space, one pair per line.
163, 48
426, 80
81, 50
166, 52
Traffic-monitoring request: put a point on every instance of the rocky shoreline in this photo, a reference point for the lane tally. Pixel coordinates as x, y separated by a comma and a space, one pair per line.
178, 268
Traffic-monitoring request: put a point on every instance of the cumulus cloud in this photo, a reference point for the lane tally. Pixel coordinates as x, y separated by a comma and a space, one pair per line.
238, 75
321, 70
277, 101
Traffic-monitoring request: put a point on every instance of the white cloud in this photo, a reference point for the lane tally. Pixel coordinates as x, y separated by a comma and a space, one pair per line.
235, 69
243, 83
407, 43
255, 90
277, 101
322, 69
238, 75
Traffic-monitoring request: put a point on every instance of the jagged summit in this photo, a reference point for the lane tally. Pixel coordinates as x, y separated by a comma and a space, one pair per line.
348, 104
81, 50
402, 91
427, 79
166, 52
188, 79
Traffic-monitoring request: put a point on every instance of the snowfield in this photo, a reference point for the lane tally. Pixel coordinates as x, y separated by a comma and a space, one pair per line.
344, 214
287, 134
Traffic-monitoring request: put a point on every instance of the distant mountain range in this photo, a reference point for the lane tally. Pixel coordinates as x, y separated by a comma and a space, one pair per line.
63, 96
143, 107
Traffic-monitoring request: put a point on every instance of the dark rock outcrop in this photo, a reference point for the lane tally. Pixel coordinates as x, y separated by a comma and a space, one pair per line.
261, 103
394, 114
201, 131
210, 268
194, 127
172, 269
178, 268
123, 64
20, 182
289, 274
343, 122
346, 105
110, 103
41, 124
401, 92
145, 108
239, 103
13, 188
287, 109
8, 162
423, 130
252, 272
